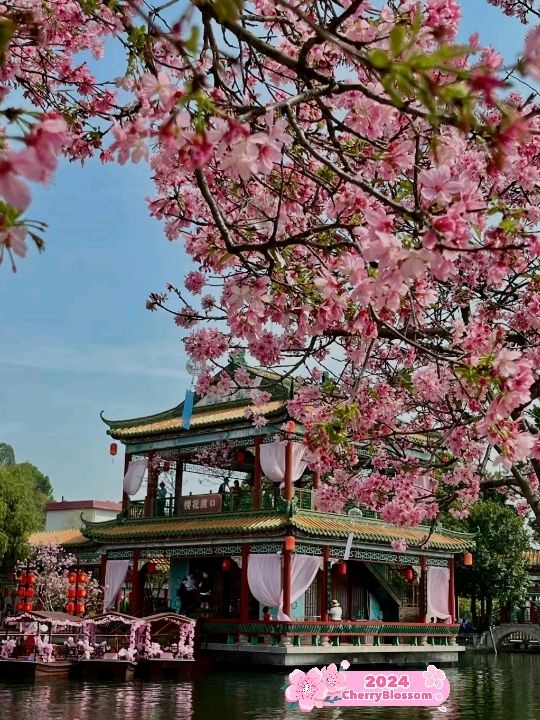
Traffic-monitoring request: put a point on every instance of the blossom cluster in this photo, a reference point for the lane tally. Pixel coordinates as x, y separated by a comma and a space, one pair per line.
358, 193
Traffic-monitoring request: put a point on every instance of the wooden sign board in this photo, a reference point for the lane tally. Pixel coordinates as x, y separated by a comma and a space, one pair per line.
200, 504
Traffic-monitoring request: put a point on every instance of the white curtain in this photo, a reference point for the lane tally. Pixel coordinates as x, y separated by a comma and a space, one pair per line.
265, 577
273, 460
115, 574
303, 571
134, 476
438, 587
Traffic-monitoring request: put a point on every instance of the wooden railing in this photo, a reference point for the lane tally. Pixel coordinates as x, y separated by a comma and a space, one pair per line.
231, 503
362, 632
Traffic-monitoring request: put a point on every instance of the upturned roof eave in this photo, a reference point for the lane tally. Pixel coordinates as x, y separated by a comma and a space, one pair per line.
282, 384
280, 413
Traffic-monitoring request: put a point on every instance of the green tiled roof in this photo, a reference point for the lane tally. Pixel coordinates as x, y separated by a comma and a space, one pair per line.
307, 523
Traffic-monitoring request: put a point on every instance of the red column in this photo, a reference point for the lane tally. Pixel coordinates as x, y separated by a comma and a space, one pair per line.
257, 475
178, 480
289, 488
244, 586
286, 581
422, 609
134, 604
125, 496
451, 591
324, 585
102, 571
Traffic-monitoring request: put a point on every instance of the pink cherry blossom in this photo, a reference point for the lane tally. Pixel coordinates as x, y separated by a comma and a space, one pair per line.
400, 546
531, 55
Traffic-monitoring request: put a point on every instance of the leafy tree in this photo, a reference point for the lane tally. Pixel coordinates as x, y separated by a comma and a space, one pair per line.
7, 455
24, 491
499, 572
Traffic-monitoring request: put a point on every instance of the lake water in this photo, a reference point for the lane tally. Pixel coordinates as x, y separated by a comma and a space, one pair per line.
506, 687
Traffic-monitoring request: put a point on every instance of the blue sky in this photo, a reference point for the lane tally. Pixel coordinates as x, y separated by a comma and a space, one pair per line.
75, 336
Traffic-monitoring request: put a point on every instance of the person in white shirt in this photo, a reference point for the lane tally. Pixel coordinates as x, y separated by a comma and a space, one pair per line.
336, 611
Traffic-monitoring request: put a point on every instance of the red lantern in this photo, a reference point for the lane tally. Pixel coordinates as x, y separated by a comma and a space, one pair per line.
290, 426
80, 608
409, 574
71, 593
342, 569
113, 449
72, 578
22, 579
83, 578
70, 607
467, 559
166, 467
81, 593
30, 579
30, 592
226, 565
21, 591
240, 457
19, 607
151, 568
28, 607
290, 543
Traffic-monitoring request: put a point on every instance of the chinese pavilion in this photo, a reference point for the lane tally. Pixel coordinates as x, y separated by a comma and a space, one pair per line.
255, 538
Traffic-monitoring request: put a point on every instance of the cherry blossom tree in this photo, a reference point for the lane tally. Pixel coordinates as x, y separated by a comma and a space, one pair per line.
51, 565
359, 194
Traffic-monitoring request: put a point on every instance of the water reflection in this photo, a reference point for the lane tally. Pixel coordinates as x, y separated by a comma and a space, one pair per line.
483, 688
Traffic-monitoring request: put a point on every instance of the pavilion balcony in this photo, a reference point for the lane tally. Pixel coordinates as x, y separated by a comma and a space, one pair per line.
243, 502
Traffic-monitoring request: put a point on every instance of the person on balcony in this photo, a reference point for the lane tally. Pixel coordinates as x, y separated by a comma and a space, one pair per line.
205, 591
161, 498
266, 614
336, 611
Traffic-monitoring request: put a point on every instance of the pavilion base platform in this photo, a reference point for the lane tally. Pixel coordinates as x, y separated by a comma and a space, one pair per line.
306, 643
293, 657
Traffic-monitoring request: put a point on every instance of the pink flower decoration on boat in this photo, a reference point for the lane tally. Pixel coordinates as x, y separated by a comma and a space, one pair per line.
307, 689
434, 677
334, 680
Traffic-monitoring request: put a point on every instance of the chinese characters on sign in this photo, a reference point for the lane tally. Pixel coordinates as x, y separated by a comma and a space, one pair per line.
197, 504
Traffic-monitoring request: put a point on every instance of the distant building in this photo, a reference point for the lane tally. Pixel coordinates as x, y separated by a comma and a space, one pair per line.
67, 513
533, 558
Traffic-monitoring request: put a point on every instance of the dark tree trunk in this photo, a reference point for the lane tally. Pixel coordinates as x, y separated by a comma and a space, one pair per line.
489, 610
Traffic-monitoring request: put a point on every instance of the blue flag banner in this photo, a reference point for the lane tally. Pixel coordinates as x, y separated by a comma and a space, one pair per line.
188, 409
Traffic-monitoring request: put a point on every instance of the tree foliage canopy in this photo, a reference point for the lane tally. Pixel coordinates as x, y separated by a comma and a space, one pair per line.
499, 571
359, 192
24, 491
